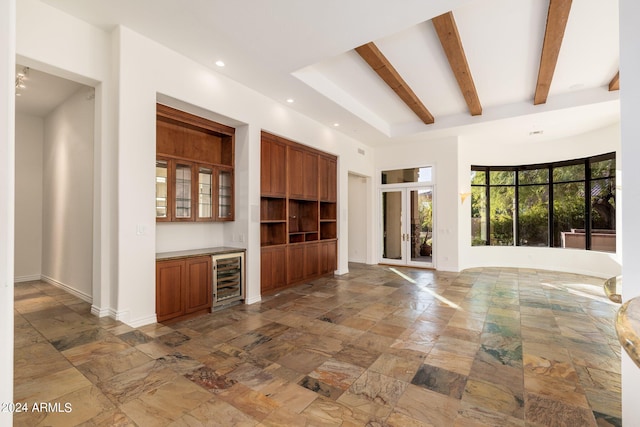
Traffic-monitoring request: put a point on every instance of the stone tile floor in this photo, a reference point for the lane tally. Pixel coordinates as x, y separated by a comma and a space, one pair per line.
380, 346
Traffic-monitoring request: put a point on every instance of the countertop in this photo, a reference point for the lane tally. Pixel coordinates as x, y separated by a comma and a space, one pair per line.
198, 252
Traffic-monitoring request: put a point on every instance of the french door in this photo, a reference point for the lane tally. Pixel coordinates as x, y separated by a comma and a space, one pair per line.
407, 226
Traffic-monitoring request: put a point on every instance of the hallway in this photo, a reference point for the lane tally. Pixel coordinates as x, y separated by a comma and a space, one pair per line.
378, 346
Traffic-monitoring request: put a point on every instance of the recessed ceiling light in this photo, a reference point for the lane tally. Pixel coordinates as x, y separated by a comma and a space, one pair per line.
290, 100
220, 63
336, 125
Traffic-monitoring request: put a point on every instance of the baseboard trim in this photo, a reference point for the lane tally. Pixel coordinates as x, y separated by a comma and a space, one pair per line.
72, 291
253, 300
30, 278
103, 312
138, 322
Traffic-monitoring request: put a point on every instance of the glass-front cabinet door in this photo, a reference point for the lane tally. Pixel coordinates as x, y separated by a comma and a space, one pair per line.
225, 195
183, 192
187, 191
162, 190
205, 193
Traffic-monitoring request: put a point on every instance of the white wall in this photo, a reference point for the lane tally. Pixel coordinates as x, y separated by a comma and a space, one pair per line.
359, 240
41, 31
442, 155
7, 182
28, 206
67, 230
630, 127
594, 263
209, 91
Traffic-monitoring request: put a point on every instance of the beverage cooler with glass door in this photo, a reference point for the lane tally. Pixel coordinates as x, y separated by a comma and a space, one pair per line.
228, 279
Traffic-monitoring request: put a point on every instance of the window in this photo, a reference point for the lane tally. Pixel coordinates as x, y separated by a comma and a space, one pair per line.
533, 207
567, 204
400, 176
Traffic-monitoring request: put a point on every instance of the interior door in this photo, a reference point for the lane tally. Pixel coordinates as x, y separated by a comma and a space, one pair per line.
407, 226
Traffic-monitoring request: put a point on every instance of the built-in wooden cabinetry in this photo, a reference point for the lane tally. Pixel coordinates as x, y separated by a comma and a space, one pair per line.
183, 287
298, 213
198, 281
194, 167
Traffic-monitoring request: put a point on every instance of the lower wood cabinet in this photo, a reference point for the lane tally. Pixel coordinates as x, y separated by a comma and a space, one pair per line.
328, 256
183, 286
170, 278
287, 265
273, 268
198, 284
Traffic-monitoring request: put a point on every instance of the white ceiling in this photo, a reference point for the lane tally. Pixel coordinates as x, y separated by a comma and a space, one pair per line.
304, 50
43, 92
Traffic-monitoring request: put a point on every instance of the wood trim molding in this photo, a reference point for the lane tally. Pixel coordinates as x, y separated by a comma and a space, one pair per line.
183, 118
614, 84
447, 31
287, 142
381, 65
557, 18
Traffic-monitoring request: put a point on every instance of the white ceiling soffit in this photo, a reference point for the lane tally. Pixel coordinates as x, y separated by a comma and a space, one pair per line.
43, 92
304, 50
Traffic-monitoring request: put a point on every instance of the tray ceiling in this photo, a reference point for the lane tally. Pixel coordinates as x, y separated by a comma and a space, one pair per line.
486, 51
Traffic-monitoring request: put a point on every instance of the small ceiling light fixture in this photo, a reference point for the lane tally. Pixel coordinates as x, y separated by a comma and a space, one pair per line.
290, 100
335, 125
536, 132
20, 78
220, 63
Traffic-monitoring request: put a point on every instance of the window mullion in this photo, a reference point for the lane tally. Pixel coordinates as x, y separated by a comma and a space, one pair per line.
488, 206
516, 210
587, 204
551, 231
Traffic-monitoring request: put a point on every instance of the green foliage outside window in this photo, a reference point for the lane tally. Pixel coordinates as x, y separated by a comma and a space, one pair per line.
512, 205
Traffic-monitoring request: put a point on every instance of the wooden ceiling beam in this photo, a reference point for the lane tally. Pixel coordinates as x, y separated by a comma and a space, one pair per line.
614, 84
557, 18
447, 31
381, 65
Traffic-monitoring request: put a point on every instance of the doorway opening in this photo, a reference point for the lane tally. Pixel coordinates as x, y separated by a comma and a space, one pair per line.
54, 181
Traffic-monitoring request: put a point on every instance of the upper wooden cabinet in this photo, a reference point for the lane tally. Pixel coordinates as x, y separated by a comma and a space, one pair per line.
273, 160
327, 176
303, 173
194, 168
